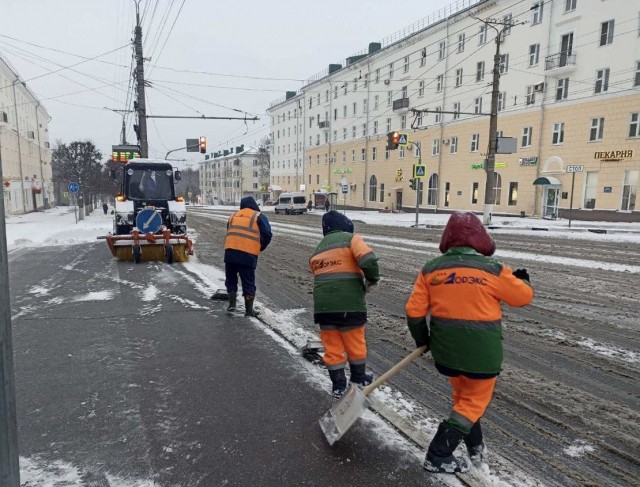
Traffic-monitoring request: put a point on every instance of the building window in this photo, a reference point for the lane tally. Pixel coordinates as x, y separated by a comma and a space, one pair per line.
442, 47
453, 147
381, 192
388, 125
344, 156
534, 54
513, 194
475, 142
345, 87
461, 38
363, 155
373, 188
456, 111
421, 88
558, 133
531, 95
353, 131
364, 129
440, 80
389, 97
406, 64
335, 114
401, 153
497, 187
318, 159
366, 79
374, 153
432, 190
537, 12
478, 105
353, 155
310, 103
376, 102
634, 125
416, 151
526, 136
482, 35
597, 129
423, 57
378, 75
317, 178
403, 122
447, 190
562, 89
606, 33
636, 80
602, 80
459, 77
502, 100
375, 127
438, 115
475, 188
419, 119
435, 147
480, 71
335, 92
390, 70
344, 133
630, 190
355, 108
387, 154
504, 63
570, 5
405, 92
590, 189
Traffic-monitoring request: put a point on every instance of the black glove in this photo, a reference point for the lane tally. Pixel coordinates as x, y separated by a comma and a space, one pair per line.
522, 274
420, 332
427, 343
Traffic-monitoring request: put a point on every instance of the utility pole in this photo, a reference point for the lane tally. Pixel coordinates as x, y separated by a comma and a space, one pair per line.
9, 466
490, 162
141, 104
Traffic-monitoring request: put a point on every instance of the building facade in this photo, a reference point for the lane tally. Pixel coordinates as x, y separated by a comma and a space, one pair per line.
24, 145
569, 94
228, 176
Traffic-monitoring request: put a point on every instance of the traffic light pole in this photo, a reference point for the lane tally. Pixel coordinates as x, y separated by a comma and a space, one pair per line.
9, 464
418, 183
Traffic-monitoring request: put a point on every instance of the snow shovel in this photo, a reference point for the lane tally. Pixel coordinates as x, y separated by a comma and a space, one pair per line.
337, 421
220, 295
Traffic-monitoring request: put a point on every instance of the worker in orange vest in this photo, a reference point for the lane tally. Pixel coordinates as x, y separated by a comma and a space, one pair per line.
344, 269
462, 291
248, 234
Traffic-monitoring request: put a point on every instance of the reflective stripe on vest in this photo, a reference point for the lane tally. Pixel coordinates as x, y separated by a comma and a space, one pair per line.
243, 233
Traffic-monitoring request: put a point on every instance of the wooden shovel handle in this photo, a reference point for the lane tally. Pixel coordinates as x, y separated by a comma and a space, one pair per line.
394, 370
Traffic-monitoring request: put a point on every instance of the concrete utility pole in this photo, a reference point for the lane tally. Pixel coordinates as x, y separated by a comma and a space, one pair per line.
490, 162
141, 105
9, 466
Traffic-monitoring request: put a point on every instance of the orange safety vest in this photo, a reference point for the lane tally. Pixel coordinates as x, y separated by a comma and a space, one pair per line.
243, 232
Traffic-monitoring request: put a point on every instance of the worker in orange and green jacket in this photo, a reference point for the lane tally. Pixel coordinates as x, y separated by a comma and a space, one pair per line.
462, 291
344, 269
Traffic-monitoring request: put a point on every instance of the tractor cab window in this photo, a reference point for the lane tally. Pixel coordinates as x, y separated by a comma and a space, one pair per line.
149, 184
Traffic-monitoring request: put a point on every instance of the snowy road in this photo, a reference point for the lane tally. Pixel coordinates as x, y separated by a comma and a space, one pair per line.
567, 405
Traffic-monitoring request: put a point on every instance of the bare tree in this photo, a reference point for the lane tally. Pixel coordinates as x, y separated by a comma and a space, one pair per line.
78, 162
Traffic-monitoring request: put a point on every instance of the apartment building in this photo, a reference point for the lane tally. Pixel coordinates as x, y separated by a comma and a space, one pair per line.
569, 93
229, 175
24, 145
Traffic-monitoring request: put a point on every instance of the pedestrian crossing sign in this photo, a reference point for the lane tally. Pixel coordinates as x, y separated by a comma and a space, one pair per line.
403, 139
419, 171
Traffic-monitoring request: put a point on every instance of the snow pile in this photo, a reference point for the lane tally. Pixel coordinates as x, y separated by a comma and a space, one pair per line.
578, 449
55, 227
95, 296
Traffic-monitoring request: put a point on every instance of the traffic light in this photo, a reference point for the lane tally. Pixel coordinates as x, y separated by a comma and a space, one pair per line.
203, 145
393, 139
412, 183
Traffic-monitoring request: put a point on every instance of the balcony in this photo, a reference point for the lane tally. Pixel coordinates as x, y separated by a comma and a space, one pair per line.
560, 63
401, 105
324, 125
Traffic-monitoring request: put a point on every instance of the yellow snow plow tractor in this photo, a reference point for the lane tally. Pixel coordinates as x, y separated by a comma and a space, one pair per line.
150, 221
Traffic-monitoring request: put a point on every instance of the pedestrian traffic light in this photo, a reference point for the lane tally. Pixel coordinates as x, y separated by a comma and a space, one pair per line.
203, 145
393, 139
412, 183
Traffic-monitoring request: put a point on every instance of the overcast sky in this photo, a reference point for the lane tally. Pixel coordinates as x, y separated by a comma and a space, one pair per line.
264, 39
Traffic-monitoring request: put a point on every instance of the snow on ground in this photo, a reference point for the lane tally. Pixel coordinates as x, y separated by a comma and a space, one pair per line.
95, 296
578, 448
56, 226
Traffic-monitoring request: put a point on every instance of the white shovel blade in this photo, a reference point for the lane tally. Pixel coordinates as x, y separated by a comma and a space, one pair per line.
337, 421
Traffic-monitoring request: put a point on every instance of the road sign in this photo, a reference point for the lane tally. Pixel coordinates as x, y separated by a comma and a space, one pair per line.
575, 168
148, 221
73, 187
190, 194
345, 188
403, 140
419, 171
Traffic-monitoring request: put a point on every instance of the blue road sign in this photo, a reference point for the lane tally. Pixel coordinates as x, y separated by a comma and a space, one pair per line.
148, 221
345, 188
73, 187
404, 139
419, 171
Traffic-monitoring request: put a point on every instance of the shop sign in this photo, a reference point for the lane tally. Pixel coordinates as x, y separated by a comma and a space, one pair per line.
614, 155
529, 161
497, 165
342, 171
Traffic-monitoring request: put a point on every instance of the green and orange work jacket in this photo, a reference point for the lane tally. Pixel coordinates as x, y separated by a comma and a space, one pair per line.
462, 290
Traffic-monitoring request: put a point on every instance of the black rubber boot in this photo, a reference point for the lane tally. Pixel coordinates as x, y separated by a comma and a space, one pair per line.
339, 382
359, 374
440, 457
232, 302
248, 306
476, 448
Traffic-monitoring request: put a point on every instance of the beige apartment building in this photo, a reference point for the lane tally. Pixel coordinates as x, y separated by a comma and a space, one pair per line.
569, 95
24, 145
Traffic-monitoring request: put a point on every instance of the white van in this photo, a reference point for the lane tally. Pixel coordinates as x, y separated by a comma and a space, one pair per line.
291, 203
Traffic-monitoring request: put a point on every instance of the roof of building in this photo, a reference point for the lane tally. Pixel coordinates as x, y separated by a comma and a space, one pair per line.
14, 71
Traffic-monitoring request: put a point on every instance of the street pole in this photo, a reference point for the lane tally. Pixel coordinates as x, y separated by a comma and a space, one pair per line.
573, 182
9, 463
141, 107
418, 183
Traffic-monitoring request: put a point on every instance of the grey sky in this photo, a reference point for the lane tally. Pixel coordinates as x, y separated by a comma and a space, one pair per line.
270, 39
